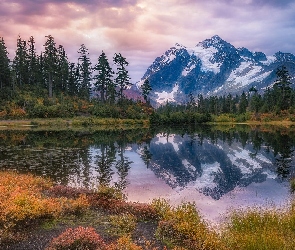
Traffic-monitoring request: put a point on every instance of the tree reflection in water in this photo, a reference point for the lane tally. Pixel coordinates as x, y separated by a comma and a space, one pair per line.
65, 155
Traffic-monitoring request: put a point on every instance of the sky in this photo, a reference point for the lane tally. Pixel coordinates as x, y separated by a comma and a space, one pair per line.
142, 30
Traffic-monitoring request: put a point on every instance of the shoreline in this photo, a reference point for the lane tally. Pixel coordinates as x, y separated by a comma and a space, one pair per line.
93, 121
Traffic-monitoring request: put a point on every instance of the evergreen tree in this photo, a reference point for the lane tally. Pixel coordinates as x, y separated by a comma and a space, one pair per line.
85, 71
50, 58
73, 86
122, 79
62, 70
32, 62
103, 79
213, 105
243, 104
255, 102
4, 67
230, 104
146, 89
283, 87
201, 104
20, 63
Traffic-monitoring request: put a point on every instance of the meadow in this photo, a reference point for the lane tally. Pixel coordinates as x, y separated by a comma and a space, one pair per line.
35, 213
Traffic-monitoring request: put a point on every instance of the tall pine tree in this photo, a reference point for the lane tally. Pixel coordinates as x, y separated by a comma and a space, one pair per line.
283, 87
5, 68
50, 62
62, 70
20, 63
122, 79
32, 62
103, 79
85, 71
146, 89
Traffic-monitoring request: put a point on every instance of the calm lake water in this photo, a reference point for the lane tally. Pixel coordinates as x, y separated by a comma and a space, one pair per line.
217, 168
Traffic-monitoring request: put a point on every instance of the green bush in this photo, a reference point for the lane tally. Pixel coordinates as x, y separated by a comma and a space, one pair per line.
38, 111
123, 224
224, 118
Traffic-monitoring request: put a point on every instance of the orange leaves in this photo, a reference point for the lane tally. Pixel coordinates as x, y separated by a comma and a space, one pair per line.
22, 198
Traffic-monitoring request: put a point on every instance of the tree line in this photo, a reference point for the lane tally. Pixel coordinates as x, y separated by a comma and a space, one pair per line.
276, 100
53, 70
52, 77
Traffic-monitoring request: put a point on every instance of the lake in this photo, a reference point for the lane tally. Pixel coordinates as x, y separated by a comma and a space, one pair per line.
218, 168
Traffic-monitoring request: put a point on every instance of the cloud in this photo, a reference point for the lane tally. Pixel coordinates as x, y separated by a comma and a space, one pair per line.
142, 30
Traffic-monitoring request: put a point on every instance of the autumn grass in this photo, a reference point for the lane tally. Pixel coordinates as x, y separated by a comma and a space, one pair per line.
22, 200
261, 229
182, 227
102, 218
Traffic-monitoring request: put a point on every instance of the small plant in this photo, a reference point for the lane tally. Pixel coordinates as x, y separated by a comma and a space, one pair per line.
123, 224
80, 238
142, 211
124, 243
162, 207
110, 192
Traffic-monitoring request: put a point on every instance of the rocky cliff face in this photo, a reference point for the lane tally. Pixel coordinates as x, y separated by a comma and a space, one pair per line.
212, 67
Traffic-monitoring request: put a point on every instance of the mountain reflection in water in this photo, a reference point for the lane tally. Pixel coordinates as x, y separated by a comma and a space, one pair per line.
207, 160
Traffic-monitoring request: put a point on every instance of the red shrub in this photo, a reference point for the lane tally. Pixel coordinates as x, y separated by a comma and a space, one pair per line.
80, 238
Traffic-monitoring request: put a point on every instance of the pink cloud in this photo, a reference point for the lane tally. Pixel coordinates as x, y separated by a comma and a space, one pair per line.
142, 30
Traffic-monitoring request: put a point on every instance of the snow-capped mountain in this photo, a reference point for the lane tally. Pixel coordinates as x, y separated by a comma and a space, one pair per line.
212, 67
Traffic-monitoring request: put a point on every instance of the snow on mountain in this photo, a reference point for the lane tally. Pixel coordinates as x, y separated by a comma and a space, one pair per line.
212, 67
165, 96
206, 56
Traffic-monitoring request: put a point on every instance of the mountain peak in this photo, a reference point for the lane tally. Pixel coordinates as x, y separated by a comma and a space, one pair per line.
179, 46
214, 41
216, 38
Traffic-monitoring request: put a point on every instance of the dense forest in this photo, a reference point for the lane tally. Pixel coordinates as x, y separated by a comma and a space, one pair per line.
49, 85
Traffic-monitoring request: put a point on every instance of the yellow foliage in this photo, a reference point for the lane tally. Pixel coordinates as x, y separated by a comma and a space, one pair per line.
183, 227
22, 198
124, 243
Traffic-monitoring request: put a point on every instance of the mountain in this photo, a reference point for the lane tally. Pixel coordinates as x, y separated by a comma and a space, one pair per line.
212, 67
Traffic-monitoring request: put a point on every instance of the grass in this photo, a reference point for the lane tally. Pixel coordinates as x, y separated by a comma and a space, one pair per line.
261, 229
74, 123
63, 217
283, 119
